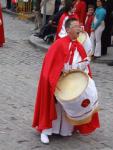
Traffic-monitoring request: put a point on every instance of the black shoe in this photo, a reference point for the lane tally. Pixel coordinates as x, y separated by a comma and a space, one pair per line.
103, 54
38, 35
96, 57
110, 64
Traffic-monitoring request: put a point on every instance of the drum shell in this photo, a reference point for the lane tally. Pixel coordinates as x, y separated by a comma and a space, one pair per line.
74, 108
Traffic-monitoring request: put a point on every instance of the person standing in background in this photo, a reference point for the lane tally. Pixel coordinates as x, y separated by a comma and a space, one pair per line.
109, 28
38, 19
97, 28
8, 4
50, 8
57, 6
80, 10
106, 35
69, 12
89, 19
2, 38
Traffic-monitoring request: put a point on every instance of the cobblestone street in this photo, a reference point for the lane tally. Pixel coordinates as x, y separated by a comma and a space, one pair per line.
20, 65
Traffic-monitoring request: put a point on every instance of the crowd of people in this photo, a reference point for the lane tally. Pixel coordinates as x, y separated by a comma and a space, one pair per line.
92, 15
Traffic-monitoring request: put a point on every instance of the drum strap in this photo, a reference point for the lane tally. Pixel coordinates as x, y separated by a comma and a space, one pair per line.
75, 45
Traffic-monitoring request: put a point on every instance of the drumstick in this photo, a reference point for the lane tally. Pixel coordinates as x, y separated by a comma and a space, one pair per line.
82, 61
88, 58
85, 59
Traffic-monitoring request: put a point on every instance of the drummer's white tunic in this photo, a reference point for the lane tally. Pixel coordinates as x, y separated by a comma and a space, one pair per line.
60, 125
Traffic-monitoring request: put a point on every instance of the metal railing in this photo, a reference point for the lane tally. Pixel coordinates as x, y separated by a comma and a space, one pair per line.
24, 8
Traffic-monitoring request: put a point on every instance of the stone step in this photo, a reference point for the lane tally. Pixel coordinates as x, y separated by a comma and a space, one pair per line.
40, 43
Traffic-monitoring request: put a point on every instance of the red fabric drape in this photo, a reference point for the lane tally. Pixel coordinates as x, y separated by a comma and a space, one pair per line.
88, 22
2, 39
60, 23
80, 8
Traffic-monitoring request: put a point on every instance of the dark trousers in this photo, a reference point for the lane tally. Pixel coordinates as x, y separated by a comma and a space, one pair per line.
47, 30
8, 5
106, 35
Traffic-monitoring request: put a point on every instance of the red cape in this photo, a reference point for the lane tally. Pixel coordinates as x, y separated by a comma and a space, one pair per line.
81, 11
2, 39
45, 111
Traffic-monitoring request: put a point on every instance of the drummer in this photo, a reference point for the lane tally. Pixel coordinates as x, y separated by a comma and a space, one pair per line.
62, 56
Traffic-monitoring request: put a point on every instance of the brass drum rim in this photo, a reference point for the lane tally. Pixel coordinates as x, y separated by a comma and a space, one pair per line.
86, 120
85, 33
72, 71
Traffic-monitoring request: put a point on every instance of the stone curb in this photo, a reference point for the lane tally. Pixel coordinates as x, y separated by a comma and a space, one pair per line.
104, 61
39, 43
7, 11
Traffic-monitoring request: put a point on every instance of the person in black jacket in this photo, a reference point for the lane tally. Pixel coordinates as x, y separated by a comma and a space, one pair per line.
106, 36
48, 31
8, 4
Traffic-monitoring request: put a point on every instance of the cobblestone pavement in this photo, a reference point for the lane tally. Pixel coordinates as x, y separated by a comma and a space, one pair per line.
20, 65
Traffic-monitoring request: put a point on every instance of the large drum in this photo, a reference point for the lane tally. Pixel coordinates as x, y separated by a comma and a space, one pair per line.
77, 94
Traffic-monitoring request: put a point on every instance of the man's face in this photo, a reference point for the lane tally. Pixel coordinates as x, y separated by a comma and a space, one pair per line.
74, 29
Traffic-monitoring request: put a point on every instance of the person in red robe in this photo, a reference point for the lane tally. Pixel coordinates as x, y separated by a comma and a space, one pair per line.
80, 10
2, 39
89, 19
48, 113
69, 12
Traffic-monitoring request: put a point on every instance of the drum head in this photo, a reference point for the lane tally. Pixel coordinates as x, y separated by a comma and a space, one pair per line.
71, 85
82, 37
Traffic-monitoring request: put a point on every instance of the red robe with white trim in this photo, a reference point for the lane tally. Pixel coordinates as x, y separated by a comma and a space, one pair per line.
88, 22
45, 111
80, 10
61, 20
2, 39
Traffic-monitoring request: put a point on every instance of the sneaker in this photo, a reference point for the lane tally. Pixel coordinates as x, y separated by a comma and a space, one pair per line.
44, 138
